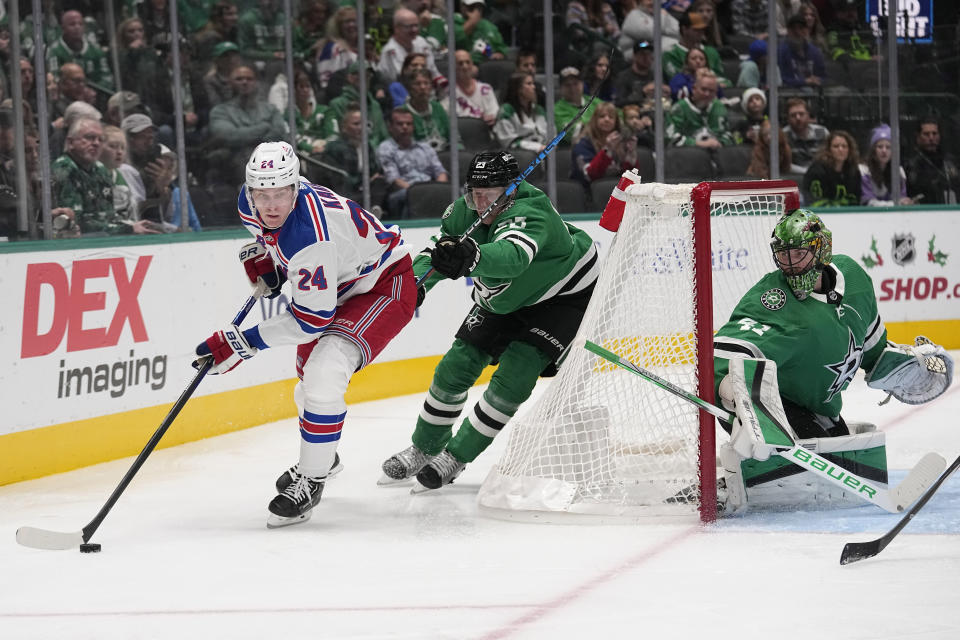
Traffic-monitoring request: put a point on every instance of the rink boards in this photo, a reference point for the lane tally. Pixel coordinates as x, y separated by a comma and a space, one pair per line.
99, 340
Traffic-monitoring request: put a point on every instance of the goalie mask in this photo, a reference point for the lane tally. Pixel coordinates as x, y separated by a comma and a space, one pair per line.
490, 169
802, 246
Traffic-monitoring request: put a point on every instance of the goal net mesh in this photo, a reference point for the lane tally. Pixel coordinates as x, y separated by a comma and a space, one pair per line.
601, 440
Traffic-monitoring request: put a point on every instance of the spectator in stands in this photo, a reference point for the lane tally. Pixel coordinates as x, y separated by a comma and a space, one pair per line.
351, 93
759, 166
833, 179
74, 111
847, 39
818, 34
804, 135
156, 23
405, 40
73, 46
753, 70
749, 18
310, 29
9, 190
713, 36
801, 63
638, 27
875, 174
140, 64
754, 105
343, 153
113, 154
639, 124
216, 82
222, 27
314, 127
430, 122
260, 37
475, 99
603, 151
594, 74
339, 49
397, 89
636, 83
527, 63
433, 27
681, 85
28, 85
596, 16
701, 119
238, 125
474, 33
71, 87
933, 175
147, 174
570, 102
120, 105
692, 34
82, 192
521, 123
406, 162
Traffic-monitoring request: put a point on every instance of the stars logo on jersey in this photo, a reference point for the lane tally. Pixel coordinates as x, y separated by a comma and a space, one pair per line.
846, 368
486, 292
474, 320
774, 299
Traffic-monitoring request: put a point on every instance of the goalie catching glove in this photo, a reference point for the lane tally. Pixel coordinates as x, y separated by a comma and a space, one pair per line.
913, 374
263, 274
228, 348
454, 257
760, 428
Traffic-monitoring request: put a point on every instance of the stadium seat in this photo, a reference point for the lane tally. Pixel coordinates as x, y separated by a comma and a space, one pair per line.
571, 198
687, 164
646, 164
525, 158
475, 134
732, 162
428, 199
600, 191
463, 157
496, 73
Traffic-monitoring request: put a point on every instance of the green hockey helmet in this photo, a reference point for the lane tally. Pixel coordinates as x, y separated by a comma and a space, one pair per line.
802, 246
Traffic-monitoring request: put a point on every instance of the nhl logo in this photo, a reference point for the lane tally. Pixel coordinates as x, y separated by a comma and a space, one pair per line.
903, 248
774, 299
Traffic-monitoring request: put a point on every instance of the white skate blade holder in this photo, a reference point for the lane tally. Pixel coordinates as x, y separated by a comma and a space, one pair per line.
278, 522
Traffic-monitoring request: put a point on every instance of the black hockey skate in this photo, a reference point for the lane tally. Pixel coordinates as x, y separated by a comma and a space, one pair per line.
290, 474
403, 465
442, 470
295, 503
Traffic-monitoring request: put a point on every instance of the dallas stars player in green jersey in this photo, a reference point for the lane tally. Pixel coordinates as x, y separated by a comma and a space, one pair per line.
533, 276
812, 323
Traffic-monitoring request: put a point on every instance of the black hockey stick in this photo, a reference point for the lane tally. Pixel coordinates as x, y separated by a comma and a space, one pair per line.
533, 165
57, 540
895, 499
854, 551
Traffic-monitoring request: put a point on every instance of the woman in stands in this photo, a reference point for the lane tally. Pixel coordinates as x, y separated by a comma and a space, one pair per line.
876, 180
603, 150
596, 72
833, 180
521, 123
681, 84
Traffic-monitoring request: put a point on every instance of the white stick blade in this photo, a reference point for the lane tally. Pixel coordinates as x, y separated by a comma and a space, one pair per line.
924, 474
52, 540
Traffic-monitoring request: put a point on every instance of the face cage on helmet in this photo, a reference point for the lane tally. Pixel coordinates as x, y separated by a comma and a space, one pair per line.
802, 284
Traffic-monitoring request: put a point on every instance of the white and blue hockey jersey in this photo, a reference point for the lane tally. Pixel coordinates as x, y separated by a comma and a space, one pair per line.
330, 249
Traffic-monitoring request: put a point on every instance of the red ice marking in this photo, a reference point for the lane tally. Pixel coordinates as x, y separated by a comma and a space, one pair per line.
577, 592
910, 411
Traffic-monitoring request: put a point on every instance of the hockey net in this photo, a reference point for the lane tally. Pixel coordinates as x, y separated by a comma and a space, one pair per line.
601, 440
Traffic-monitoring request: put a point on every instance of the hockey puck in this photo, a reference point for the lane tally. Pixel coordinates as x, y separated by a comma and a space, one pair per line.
90, 547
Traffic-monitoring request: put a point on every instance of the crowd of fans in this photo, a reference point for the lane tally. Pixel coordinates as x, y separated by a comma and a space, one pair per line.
112, 115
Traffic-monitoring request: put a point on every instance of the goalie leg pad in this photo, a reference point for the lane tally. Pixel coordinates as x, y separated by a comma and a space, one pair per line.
761, 427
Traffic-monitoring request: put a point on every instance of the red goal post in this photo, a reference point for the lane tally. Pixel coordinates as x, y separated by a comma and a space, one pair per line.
601, 441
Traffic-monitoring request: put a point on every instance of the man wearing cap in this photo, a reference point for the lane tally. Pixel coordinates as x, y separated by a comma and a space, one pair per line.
216, 82
82, 191
120, 105
800, 61
692, 33
570, 102
475, 99
476, 34
376, 125
406, 39
238, 125
147, 174
637, 83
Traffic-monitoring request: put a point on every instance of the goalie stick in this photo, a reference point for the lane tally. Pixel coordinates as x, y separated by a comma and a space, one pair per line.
854, 551
533, 165
60, 540
894, 499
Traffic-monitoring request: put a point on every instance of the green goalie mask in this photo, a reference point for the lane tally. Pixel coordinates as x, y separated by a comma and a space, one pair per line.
802, 246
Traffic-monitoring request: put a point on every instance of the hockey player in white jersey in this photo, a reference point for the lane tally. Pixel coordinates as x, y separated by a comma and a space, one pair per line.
352, 290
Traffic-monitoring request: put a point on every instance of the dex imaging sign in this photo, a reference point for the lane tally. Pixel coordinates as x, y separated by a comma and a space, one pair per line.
914, 19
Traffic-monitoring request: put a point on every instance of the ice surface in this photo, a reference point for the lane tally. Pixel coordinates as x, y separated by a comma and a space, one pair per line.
186, 553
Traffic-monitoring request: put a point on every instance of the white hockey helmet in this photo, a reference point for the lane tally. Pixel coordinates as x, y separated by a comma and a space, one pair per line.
273, 164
